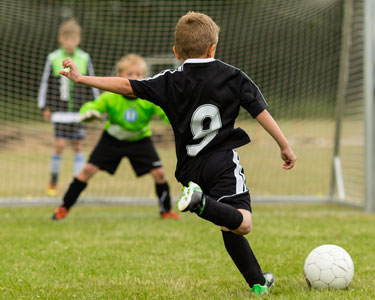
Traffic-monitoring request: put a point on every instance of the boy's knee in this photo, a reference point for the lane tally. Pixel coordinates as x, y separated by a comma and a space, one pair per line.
244, 229
76, 146
87, 172
158, 175
59, 146
246, 225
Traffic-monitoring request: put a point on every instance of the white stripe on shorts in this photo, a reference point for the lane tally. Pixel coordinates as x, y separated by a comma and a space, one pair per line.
238, 174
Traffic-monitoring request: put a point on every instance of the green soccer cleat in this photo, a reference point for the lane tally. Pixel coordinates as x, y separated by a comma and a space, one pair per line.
192, 199
258, 289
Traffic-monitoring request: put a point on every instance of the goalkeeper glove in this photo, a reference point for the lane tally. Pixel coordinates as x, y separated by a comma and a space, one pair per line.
90, 116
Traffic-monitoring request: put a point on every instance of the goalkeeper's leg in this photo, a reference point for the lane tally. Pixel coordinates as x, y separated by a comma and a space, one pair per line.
76, 187
163, 194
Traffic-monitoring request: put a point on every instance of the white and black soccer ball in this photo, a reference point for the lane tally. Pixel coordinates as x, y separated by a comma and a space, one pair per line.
328, 266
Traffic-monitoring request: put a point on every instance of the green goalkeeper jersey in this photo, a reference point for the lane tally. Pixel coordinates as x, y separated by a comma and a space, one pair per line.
128, 119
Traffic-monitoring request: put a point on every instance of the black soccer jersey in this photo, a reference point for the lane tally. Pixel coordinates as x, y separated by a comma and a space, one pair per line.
202, 99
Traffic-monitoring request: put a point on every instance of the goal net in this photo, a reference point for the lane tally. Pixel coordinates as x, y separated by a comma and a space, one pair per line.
292, 50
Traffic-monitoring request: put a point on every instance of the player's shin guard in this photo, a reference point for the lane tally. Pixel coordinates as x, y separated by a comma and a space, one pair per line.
239, 250
75, 189
162, 190
219, 213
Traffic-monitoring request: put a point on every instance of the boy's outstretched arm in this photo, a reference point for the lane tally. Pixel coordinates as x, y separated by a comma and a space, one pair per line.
116, 85
270, 125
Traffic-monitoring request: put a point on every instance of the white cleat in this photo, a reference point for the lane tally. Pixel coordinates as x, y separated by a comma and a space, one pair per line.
191, 197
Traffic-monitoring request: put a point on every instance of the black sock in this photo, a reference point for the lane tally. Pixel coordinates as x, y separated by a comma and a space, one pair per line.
54, 177
220, 214
162, 190
73, 192
239, 250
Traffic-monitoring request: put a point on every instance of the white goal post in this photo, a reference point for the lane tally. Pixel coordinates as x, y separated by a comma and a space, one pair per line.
369, 86
354, 148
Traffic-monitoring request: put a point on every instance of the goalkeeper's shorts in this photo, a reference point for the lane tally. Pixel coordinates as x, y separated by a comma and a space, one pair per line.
109, 152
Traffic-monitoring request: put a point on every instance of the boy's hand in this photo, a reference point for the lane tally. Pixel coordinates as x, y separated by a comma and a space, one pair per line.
73, 74
289, 158
46, 115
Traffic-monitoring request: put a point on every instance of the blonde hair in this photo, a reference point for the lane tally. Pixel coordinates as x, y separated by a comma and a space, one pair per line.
130, 59
194, 33
69, 28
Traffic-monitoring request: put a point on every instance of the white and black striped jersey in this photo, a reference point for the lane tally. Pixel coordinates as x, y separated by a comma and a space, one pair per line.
202, 99
60, 95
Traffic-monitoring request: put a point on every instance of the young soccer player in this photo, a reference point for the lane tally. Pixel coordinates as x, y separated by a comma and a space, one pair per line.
202, 100
126, 134
60, 99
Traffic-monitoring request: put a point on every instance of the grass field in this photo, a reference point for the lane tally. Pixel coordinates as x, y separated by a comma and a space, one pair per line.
127, 252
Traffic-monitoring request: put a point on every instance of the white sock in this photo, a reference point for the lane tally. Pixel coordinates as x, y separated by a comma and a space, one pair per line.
79, 163
55, 163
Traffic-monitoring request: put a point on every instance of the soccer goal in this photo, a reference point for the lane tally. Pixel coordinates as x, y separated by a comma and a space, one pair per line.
313, 61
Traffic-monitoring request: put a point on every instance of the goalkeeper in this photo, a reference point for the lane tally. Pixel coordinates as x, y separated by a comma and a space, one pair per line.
126, 134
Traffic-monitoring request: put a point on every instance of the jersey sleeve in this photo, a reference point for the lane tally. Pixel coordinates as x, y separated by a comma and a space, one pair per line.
158, 111
43, 89
99, 104
154, 89
251, 97
90, 72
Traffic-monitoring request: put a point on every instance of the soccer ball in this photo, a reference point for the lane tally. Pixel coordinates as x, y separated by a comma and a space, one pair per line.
328, 266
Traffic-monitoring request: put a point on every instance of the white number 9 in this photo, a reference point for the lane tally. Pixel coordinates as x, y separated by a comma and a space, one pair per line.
196, 125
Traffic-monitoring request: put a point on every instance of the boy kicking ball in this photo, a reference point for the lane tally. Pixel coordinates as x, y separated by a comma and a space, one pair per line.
202, 100
126, 134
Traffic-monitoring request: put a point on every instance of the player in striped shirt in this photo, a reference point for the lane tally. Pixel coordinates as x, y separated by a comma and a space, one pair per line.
61, 99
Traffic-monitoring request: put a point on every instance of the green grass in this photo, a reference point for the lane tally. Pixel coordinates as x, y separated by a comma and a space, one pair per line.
127, 252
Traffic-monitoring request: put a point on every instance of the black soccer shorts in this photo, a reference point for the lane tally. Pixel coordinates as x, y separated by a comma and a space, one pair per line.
221, 177
71, 131
109, 151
